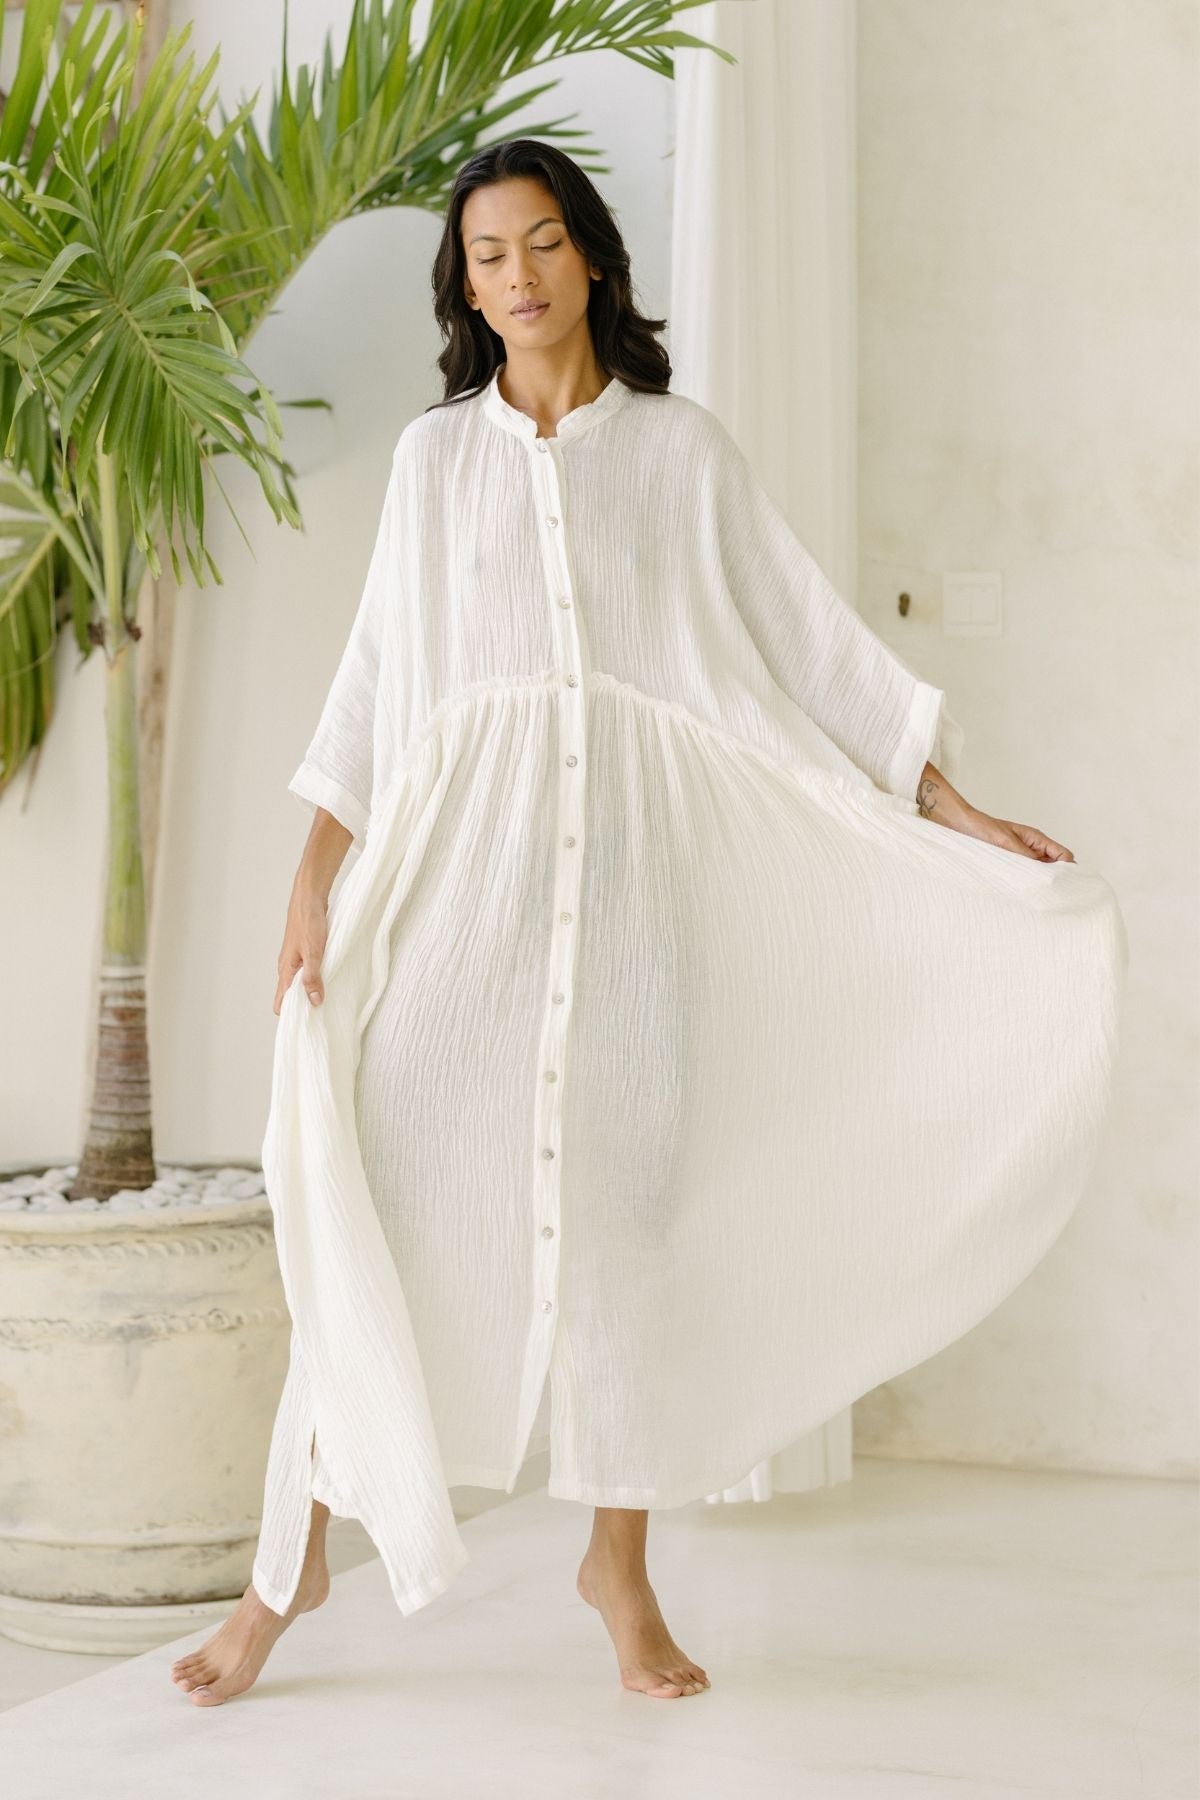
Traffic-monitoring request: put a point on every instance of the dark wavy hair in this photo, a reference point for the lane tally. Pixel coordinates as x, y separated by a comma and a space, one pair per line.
625, 343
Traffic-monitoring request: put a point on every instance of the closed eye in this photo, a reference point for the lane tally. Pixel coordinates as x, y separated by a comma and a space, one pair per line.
553, 246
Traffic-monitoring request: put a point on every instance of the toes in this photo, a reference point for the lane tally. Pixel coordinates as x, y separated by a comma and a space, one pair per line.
188, 1665
223, 1687
687, 1679
665, 1688
197, 1676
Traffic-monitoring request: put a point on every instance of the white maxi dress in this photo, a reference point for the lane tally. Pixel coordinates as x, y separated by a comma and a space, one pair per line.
676, 1082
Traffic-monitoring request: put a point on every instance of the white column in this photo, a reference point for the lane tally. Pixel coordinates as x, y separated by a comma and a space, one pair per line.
763, 327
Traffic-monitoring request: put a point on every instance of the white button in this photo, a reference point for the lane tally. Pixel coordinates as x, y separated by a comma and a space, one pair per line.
557, 999
547, 1231
551, 1074
563, 601
547, 1153
571, 761
565, 917
541, 443
546, 1305
550, 519
572, 681
569, 842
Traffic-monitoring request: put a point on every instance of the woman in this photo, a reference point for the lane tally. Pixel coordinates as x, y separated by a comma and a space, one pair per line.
682, 1050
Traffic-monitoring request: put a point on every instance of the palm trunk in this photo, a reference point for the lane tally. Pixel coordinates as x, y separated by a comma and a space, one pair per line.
119, 1151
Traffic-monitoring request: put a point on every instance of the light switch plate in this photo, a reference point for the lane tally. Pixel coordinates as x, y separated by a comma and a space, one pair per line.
972, 602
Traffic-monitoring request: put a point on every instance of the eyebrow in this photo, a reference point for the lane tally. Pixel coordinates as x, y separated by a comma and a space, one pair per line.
491, 238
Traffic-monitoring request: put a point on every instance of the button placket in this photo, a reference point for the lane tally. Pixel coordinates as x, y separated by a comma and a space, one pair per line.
571, 668
549, 490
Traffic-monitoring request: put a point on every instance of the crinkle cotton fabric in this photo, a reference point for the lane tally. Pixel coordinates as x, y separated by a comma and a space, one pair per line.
676, 1082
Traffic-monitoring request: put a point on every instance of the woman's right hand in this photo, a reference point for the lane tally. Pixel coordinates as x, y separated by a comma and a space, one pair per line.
303, 945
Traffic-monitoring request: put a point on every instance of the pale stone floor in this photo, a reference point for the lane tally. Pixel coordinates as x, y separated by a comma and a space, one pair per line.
925, 1630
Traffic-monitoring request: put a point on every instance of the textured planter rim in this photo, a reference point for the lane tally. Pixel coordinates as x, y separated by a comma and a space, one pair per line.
103, 1629
65, 1220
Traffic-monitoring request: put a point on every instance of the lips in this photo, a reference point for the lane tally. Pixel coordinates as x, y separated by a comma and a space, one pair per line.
530, 312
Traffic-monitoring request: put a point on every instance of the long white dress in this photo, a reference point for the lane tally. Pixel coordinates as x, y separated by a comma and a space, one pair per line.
675, 1080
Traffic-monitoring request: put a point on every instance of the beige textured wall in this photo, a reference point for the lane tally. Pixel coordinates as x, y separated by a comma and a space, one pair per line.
1028, 403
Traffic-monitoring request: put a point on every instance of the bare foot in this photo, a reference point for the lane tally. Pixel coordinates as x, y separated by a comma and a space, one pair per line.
232, 1659
648, 1657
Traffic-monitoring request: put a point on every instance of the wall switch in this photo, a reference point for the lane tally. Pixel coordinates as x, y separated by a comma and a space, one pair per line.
971, 602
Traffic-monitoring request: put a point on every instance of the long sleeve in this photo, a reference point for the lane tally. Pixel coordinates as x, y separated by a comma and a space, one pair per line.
338, 767
816, 647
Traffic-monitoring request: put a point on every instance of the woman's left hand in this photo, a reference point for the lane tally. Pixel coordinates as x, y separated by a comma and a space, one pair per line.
938, 800
1024, 840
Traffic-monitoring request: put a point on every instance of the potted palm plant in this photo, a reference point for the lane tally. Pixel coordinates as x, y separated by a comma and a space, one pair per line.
143, 1332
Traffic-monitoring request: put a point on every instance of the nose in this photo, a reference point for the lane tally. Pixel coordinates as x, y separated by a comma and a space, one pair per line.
524, 268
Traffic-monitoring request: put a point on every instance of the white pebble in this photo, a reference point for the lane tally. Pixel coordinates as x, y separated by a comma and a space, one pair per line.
126, 1200
17, 1203
25, 1184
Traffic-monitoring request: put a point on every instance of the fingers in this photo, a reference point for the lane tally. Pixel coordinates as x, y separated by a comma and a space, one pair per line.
1036, 843
309, 968
304, 940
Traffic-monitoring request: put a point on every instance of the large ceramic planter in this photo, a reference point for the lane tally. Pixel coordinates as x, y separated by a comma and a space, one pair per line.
142, 1355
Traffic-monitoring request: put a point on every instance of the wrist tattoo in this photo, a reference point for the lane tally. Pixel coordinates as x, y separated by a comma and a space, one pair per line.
927, 794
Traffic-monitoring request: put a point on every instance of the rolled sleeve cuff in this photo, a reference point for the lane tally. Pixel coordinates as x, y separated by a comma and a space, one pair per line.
931, 735
313, 788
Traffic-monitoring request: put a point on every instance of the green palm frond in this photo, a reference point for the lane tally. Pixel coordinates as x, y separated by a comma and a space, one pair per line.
106, 322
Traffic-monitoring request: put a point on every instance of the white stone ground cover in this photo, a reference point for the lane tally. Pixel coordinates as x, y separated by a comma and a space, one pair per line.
175, 1185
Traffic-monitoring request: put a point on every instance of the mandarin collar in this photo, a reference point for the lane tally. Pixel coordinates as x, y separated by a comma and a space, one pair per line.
608, 401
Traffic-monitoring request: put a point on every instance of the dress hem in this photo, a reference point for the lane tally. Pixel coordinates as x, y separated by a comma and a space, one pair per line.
409, 1600
656, 1498
570, 1487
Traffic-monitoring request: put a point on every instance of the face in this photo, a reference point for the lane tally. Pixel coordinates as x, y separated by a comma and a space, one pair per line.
518, 252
